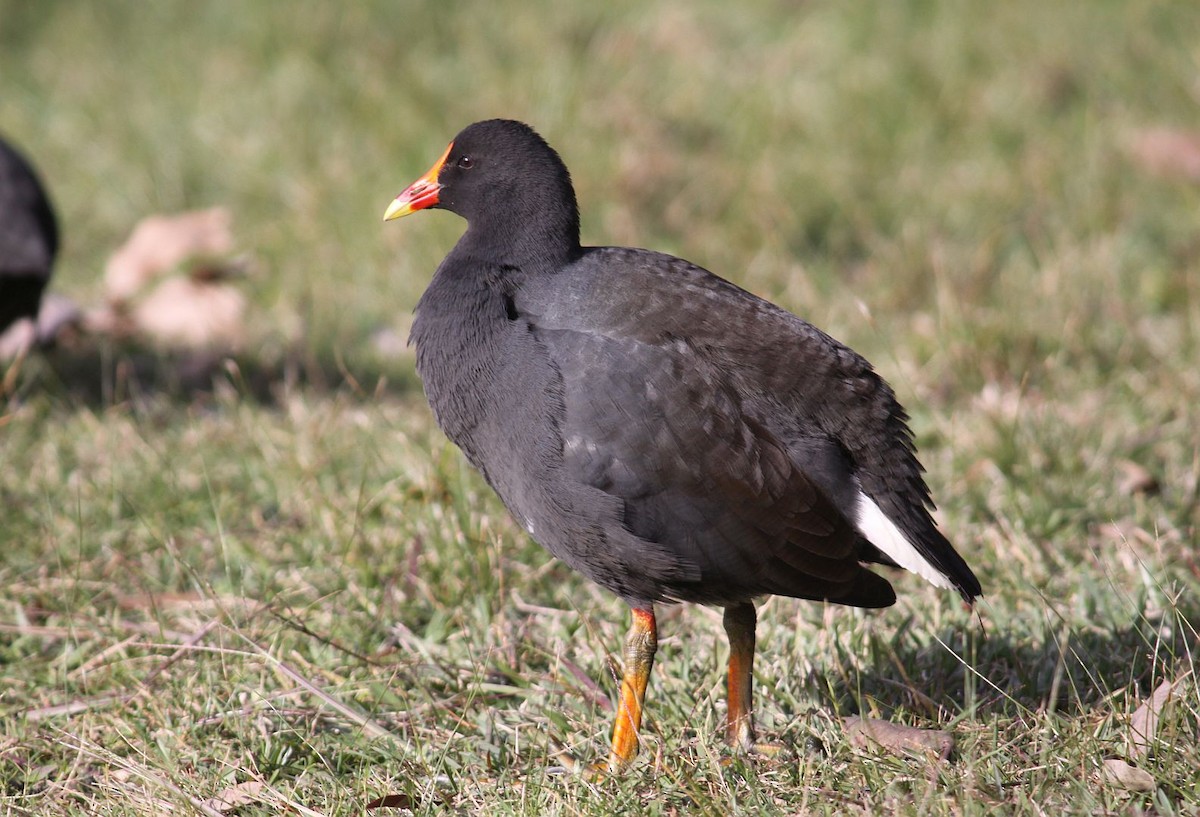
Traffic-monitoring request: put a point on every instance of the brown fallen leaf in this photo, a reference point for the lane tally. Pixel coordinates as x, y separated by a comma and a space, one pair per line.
236, 795
186, 313
18, 339
1172, 153
866, 732
391, 801
1135, 479
59, 320
159, 243
57, 317
1143, 725
1119, 772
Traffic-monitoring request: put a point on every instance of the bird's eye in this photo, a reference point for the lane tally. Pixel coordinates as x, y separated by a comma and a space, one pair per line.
466, 162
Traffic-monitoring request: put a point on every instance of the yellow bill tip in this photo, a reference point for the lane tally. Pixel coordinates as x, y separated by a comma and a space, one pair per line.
397, 209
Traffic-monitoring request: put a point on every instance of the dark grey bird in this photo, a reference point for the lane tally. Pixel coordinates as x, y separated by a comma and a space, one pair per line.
28, 237
662, 431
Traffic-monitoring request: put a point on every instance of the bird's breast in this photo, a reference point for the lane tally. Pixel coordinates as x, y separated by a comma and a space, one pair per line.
490, 386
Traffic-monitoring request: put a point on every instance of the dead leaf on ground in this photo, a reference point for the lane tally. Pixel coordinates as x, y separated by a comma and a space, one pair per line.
182, 312
1136, 479
392, 801
867, 732
1143, 725
57, 316
1126, 776
18, 339
1172, 153
159, 243
236, 795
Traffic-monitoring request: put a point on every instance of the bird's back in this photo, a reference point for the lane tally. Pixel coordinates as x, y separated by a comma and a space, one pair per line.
732, 430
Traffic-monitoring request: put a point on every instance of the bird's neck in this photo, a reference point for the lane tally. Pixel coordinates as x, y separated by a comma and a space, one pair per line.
534, 243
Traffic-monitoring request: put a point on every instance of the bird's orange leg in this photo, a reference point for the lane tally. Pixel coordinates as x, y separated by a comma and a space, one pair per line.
640, 646
740, 620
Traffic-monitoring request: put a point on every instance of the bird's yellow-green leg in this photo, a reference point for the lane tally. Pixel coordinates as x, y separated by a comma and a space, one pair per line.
640, 646
740, 621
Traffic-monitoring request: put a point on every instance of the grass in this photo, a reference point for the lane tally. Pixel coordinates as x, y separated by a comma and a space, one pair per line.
301, 590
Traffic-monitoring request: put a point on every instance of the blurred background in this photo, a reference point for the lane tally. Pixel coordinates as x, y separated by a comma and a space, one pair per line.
943, 163
996, 203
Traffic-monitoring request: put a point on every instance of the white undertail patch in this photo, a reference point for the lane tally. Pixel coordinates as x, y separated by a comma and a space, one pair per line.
882, 532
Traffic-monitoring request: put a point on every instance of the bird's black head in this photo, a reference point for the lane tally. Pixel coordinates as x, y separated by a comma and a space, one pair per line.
510, 186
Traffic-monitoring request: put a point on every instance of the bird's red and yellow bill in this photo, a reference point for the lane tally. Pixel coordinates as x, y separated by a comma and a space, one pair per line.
420, 194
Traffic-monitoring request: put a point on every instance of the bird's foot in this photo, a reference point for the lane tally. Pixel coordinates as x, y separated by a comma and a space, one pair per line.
595, 772
770, 751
